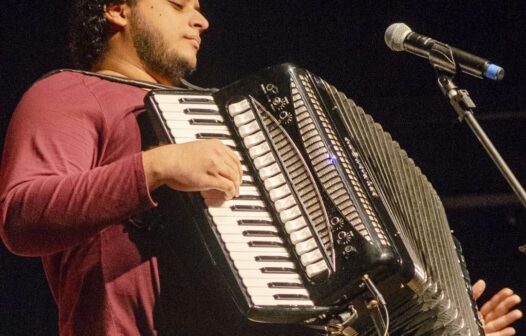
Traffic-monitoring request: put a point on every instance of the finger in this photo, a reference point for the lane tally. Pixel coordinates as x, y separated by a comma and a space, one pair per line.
220, 183
504, 332
489, 306
478, 289
229, 172
236, 162
503, 321
503, 307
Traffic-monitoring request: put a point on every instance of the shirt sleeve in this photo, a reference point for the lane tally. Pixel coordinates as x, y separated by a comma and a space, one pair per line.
53, 192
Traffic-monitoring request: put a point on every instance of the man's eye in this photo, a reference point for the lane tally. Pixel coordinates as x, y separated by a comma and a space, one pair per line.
177, 4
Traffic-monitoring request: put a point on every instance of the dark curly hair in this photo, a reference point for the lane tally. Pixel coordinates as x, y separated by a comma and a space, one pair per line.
89, 31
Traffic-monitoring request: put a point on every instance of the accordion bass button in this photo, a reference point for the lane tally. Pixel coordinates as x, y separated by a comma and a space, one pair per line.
295, 224
244, 118
239, 107
301, 235
306, 246
278, 193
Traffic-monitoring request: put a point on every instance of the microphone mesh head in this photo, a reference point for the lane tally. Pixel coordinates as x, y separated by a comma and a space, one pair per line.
395, 36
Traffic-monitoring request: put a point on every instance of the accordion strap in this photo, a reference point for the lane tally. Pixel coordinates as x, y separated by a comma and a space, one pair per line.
138, 83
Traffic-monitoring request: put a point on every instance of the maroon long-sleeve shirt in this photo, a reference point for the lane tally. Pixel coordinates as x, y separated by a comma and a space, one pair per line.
71, 175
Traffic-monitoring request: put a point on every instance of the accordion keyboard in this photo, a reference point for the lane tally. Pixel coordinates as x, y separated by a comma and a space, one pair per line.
244, 224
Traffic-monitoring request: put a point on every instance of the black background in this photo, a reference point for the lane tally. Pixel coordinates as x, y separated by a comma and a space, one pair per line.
341, 41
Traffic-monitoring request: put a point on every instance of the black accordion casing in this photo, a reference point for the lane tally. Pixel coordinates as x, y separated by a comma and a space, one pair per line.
327, 185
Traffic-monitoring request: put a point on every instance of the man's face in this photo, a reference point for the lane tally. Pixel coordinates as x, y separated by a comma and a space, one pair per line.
166, 35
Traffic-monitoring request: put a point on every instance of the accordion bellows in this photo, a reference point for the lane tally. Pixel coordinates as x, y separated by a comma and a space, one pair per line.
329, 204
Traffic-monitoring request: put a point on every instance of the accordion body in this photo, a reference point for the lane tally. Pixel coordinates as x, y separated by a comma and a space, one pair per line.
333, 220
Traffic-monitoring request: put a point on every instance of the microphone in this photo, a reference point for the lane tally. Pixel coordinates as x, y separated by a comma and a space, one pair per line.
399, 37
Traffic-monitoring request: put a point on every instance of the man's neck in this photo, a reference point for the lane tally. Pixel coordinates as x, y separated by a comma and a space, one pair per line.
116, 66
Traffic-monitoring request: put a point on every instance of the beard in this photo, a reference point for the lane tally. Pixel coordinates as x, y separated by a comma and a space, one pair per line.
155, 54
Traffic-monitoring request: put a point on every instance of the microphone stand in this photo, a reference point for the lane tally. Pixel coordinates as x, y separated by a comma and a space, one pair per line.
441, 58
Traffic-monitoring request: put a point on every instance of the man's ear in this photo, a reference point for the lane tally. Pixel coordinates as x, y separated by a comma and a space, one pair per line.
117, 14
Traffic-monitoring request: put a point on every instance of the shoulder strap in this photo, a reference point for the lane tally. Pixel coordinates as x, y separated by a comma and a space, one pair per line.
142, 84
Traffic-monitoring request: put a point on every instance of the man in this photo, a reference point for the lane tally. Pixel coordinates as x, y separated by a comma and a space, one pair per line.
73, 173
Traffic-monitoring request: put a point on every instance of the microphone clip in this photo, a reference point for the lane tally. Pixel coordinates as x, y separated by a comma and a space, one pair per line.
442, 59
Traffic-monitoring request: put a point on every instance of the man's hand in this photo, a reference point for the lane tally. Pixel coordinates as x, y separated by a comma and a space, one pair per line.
194, 166
496, 313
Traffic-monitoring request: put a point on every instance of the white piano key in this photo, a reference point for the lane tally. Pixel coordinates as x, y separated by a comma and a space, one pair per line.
311, 257
254, 139
244, 118
248, 129
253, 256
269, 301
257, 151
176, 98
280, 192
285, 203
171, 108
267, 172
252, 265
317, 268
270, 292
234, 202
234, 220
234, 238
266, 283
249, 190
193, 134
240, 229
306, 246
223, 212
274, 182
257, 274
239, 107
189, 117
301, 235
290, 214
242, 247
181, 140
177, 127
295, 224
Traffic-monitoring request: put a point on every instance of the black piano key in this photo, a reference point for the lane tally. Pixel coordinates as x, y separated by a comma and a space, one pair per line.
254, 222
264, 244
246, 183
220, 136
248, 208
277, 270
192, 110
271, 258
196, 100
290, 285
248, 197
206, 122
253, 233
291, 297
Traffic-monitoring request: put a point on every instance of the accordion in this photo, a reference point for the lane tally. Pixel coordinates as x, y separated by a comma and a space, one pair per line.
335, 226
